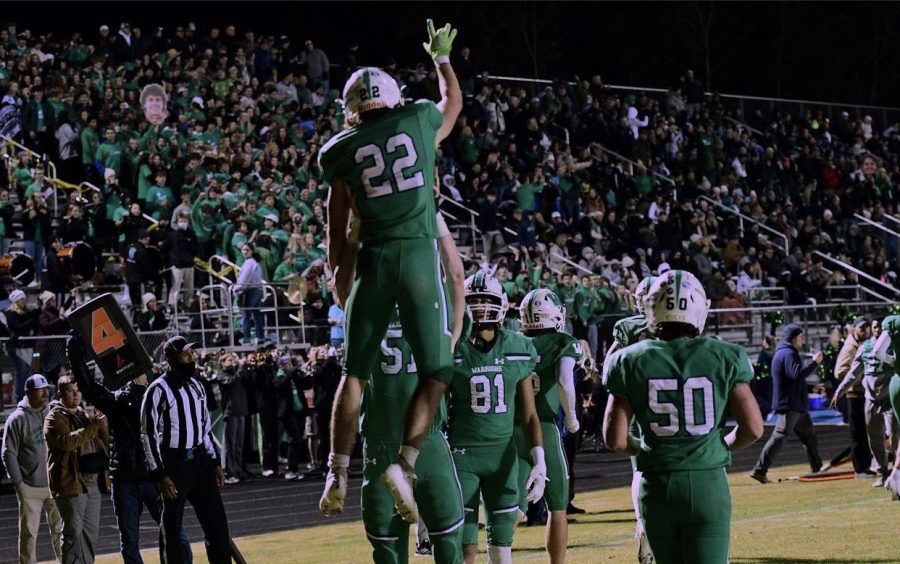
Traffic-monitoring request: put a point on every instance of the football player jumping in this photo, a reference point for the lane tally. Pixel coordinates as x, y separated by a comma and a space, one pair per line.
382, 168
681, 387
490, 390
543, 318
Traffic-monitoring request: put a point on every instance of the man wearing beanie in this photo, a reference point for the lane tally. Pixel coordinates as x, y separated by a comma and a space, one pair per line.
791, 400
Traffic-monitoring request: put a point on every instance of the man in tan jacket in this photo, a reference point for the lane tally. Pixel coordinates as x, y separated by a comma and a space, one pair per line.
78, 444
856, 401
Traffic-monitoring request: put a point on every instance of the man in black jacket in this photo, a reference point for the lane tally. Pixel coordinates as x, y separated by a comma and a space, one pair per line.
132, 488
136, 271
791, 401
181, 246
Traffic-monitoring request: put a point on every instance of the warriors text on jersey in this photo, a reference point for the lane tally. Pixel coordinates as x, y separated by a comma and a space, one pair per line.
551, 347
389, 163
483, 389
679, 391
631, 330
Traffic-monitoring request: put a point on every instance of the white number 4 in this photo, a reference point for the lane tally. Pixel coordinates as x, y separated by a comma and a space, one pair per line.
671, 424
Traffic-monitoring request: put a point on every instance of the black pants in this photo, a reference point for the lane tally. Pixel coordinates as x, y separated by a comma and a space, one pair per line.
195, 480
799, 423
269, 420
859, 439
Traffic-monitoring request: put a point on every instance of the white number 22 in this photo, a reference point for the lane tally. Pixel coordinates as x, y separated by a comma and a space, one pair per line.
374, 155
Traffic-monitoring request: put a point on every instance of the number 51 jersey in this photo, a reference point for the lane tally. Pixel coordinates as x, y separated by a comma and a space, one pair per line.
389, 162
679, 393
483, 389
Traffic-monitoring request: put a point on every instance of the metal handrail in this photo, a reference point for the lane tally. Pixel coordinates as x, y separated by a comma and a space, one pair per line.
569, 262
662, 177
707, 94
474, 214
892, 218
876, 225
744, 125
858, 272
743, 217
43, 158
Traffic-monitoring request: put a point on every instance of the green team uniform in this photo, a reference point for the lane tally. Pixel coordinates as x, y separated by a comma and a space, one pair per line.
679, 392
551, 348
482, 419
630, 330
891, 326
389, 163
437, 490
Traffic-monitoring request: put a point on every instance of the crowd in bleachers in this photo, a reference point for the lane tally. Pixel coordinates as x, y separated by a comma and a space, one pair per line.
235, 162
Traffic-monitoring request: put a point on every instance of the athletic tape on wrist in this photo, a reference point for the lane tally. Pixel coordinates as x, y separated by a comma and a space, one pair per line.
441, 59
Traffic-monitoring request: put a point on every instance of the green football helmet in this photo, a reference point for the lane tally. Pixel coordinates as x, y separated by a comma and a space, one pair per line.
640, 292
542, 309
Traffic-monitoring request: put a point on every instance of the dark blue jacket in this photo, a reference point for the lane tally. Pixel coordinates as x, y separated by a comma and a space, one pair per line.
789, 392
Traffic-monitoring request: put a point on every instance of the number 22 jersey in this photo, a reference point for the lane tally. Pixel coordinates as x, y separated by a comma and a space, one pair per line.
679, 392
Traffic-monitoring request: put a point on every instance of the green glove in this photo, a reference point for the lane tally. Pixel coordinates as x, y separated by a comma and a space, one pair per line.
440, 42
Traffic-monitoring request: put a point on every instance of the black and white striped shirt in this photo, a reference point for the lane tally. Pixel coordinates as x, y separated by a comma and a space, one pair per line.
175, 417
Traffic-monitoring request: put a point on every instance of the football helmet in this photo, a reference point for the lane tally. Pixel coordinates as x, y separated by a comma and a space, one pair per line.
640, 293
370, 88
482, 285
676, 297
542, 309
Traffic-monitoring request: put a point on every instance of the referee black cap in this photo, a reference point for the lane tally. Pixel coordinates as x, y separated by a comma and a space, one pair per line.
176, 345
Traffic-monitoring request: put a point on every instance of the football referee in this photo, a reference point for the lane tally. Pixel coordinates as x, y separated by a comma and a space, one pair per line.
176, 430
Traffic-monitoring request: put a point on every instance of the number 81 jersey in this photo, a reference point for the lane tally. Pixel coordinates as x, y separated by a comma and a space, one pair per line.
483, 389
679, 392
389, 162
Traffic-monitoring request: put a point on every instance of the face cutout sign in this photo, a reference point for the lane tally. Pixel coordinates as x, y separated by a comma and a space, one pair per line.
154, 100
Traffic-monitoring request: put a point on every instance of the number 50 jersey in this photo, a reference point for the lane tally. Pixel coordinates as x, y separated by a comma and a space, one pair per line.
483, 389
679, 393
389, 162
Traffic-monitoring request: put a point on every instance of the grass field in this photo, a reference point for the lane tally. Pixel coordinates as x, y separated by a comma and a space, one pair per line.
792, 522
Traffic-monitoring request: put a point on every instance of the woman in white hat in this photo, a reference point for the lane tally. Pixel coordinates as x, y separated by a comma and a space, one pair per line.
21, 322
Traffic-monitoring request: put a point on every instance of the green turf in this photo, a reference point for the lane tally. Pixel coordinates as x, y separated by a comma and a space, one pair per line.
844, 521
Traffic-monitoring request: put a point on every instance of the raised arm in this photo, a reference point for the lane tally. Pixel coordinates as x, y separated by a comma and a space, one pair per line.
440, 43
456, 275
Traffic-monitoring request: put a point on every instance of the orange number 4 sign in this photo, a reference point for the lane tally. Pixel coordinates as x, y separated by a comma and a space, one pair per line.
104, 335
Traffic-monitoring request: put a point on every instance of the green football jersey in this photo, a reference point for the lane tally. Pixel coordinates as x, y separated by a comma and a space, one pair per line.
389, 163
389, 390
679, 392
631, 330
567, 297
551, 347
483, 389
891, 326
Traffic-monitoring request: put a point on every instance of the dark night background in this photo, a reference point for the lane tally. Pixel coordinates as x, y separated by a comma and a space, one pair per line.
843, 52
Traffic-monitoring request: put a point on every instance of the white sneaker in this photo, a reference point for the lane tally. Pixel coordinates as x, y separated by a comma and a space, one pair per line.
232, 480
268, 473
290, 476
399, 482
332, 501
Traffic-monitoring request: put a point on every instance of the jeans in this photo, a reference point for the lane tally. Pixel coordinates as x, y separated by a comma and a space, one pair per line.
22, 369
182, 282
129, 499
76, 547
799, 423
252, 314
234, 445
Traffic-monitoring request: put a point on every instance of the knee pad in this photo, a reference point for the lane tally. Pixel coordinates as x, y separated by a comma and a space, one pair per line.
447, 547
470, 527
387, 549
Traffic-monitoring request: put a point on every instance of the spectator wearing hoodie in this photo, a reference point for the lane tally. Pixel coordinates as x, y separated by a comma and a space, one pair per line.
24, 453
182, 247
791, 401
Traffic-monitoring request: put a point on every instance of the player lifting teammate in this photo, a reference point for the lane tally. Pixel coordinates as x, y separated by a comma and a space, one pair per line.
382, 168
681, 387
490, 390
543, 318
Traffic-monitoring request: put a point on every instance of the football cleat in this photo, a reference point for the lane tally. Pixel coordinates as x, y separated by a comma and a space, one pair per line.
332, 502
542, 309
677, 297
399, 480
